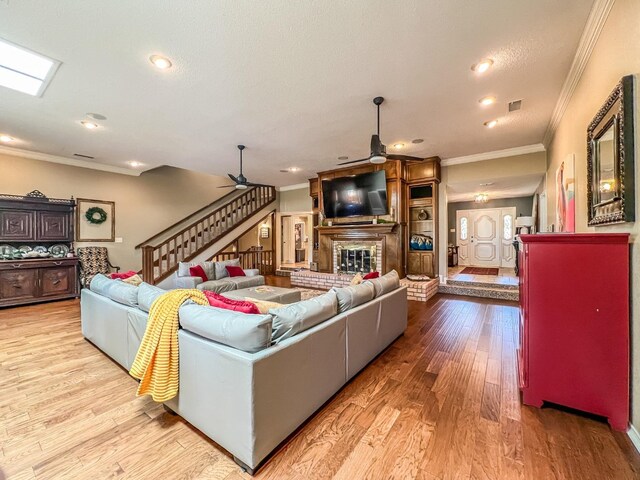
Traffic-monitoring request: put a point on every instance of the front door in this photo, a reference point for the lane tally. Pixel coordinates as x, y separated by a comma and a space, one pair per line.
485, 237
485, 242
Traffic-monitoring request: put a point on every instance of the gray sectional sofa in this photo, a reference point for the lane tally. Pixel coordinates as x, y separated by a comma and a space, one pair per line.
249, 381
219, 280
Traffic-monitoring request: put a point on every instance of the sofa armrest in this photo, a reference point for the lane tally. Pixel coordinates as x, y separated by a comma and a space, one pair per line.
251, 272
188, 282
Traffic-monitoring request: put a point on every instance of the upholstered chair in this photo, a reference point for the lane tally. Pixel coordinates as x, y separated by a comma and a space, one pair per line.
93, 260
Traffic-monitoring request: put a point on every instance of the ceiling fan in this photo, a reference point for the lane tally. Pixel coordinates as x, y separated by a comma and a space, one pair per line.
241, 181
378, 150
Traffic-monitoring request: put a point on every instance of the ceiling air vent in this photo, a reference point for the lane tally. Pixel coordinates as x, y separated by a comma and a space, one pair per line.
515, 105
83, 156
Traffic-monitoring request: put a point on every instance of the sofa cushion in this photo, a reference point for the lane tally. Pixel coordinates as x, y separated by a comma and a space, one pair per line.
208, 267
250, 333
292, 319
354, 295
100, 284
243, 306
221, 267
147, 294
123, 293
385, 283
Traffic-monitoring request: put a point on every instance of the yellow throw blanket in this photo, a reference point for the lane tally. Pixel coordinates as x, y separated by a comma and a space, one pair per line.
156, 363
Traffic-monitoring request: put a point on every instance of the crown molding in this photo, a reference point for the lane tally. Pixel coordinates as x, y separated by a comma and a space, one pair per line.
597, 18
297, 186
479, 157
45, 157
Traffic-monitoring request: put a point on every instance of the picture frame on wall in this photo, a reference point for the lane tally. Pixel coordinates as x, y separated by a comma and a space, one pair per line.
95, 220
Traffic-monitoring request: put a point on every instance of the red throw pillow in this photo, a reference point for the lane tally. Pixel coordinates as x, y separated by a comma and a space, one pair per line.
371, 275
216, 300
235, 271
122, 276
198, 271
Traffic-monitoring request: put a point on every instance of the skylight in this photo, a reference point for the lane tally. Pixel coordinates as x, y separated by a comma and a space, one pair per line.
24, 70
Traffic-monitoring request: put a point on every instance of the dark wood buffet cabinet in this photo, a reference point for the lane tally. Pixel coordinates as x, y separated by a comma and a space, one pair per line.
35, 220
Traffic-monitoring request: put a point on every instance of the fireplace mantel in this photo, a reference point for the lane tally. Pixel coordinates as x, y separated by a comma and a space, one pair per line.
355, 230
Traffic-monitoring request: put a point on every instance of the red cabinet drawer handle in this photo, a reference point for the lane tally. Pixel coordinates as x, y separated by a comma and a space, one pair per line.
16, 265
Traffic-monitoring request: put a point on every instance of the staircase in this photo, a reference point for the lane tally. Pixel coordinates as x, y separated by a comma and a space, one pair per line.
194, 240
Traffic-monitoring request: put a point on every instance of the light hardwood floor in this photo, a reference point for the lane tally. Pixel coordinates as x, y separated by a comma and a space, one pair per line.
441, 403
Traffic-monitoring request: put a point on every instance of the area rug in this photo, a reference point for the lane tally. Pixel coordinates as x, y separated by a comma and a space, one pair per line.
480, 271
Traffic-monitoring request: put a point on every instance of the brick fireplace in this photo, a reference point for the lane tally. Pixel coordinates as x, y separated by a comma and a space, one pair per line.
352, 256
367, 247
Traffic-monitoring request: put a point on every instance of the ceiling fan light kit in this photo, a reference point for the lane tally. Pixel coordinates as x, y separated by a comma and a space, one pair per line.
378, 149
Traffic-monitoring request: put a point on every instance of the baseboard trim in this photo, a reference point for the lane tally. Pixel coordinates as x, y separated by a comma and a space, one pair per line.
634, 436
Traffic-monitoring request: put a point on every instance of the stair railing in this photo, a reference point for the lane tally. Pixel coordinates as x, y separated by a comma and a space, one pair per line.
161, 260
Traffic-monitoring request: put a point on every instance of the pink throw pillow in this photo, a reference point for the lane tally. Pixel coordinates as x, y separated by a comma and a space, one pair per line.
198, 271
122, 276
235, 271
216, 300
371, 275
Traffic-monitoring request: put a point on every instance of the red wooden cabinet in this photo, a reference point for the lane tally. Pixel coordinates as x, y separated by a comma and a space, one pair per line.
574, 323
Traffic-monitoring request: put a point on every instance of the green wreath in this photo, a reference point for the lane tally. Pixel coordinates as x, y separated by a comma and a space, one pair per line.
96, 215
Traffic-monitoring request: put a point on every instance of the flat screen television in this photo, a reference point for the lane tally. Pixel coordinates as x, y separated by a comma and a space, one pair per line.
355, 196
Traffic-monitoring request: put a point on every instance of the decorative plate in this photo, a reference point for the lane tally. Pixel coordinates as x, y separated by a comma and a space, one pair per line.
40, 249
7, 250
422, 215
25, 248
418, 278
58, 250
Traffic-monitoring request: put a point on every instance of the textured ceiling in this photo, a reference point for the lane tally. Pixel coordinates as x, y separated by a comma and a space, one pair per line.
291, 80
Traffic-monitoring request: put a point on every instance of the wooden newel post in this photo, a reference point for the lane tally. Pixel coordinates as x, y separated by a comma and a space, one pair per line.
147, 264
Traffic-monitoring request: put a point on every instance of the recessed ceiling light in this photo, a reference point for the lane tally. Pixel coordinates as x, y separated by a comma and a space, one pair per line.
6, 138
486, 184
344, 157
487, 100
134, 164
491, 123
161, 62
294, 169
482, 66
398, 146
96, 116
417, 140
89, 125
25, 71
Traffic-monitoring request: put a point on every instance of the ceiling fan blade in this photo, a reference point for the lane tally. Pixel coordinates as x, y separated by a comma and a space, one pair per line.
355, 161
249, 184
403, 157
227, 186
235, 179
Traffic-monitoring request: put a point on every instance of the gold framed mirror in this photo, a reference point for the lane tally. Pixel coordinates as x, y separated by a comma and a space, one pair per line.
610, 158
